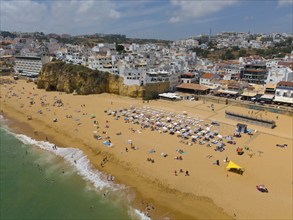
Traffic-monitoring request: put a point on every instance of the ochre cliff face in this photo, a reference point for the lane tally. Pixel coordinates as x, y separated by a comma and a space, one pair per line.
58, 76
116, 86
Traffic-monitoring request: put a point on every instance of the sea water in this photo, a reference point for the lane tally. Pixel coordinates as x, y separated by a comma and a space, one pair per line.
37, 182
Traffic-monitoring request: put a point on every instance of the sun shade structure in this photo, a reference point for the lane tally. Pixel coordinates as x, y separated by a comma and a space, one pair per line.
233, 167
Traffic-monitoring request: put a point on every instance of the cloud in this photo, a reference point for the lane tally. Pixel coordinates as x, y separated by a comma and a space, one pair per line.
21, 13
282, 3
196, 9
56, 16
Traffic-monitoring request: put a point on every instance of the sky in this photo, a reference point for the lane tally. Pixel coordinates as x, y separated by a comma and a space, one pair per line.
157, 19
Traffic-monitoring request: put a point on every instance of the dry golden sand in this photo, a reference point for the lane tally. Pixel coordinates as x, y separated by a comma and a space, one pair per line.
209, 192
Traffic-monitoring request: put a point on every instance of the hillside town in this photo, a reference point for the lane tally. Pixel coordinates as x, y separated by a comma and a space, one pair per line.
183, 64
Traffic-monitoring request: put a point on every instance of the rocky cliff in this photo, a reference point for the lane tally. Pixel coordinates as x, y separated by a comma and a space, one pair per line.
59, 76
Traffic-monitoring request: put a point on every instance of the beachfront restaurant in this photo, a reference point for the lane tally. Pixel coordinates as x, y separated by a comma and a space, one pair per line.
248, 95
193, 88
267, 98
283, 100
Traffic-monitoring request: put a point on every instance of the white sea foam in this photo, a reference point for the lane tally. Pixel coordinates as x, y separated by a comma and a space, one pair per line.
2, 118
84, 168
77, 159
136, 214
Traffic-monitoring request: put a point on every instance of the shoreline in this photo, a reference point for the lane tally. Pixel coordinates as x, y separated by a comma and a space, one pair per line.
20, 126
198, 196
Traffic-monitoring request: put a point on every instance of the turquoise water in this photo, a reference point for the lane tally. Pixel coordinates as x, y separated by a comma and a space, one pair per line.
36, 184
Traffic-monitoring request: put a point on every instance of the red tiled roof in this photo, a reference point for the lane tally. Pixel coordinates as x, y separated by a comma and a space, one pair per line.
188, 74
285, 83
192, 86
207, 76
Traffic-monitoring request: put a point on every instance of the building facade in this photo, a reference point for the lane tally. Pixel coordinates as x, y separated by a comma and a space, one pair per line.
284, 93
254, 73
30, 66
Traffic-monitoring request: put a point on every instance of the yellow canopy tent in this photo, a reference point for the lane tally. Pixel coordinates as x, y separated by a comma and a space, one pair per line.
235, 168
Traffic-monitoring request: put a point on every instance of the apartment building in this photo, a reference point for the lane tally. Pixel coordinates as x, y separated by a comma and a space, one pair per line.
276, 75
100, 62
254, 73
153, 76
133, 76
30, 66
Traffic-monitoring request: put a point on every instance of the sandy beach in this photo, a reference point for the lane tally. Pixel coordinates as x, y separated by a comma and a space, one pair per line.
144, 155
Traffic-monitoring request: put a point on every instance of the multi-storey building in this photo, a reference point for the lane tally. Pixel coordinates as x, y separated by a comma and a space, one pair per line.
101, 62
276, 75
206, 79
188, 78
254, 73
162, 76
30, 66
284, 93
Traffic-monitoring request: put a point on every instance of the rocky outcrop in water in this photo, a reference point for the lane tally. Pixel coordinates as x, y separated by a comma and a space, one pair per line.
69, 78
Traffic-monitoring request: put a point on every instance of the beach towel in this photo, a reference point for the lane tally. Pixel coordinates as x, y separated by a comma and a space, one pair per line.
107, 143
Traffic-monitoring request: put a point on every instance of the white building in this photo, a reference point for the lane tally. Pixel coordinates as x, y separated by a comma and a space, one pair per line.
284, 93
153, 76
133, 76
206, 79
101, 62
233, 70
30, 66
276, 75
188, 78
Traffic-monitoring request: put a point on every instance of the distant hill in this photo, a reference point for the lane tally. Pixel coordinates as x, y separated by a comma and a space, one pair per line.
88, 40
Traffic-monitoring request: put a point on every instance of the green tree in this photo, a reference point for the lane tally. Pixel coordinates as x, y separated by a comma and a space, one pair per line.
242, 53
228, 55
120, 48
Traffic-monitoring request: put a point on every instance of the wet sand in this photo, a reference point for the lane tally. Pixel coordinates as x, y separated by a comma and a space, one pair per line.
209, 192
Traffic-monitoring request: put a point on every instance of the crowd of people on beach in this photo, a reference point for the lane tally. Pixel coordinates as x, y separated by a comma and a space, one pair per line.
189, 130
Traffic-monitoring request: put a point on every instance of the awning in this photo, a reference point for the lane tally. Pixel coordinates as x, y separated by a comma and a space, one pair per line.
249, 94
283, 99
267, 96
169, 95
227, 92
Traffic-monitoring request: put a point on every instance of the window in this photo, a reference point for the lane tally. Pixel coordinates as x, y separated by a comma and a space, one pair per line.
285, 94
